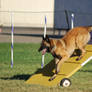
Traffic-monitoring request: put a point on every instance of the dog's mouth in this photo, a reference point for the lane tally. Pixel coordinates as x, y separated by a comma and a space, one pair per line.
44, 51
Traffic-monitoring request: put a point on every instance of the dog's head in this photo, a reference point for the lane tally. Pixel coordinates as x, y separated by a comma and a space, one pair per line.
45, 45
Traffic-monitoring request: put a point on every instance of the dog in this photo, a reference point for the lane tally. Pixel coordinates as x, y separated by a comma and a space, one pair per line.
62, 49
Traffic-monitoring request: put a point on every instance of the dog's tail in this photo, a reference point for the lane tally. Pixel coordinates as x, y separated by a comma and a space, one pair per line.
89, 28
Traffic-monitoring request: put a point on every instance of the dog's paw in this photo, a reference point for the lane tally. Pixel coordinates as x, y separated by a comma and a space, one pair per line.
52, 78
78, 58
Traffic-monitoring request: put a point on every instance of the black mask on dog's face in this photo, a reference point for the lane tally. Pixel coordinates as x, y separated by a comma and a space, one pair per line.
45, 45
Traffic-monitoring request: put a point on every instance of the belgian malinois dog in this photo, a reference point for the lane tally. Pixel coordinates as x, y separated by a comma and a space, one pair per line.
63, 48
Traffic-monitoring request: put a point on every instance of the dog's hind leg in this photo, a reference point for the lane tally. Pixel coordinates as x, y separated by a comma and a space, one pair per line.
81, 42
81, 47
83, 51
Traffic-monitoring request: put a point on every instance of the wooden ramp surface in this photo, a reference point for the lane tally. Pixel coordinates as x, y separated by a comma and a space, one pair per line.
42, 76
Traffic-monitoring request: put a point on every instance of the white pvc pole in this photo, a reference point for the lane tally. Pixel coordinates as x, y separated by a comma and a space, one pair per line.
45, 26
12, 30
72, 20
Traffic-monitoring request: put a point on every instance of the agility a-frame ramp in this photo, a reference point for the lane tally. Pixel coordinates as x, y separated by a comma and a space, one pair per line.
71, 66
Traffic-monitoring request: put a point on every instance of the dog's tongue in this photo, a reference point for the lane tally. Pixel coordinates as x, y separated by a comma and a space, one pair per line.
44, 51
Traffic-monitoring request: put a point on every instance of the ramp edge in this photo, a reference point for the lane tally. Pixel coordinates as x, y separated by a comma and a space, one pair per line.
90, 58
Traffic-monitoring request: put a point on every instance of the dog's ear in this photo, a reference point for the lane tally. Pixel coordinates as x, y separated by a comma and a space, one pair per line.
43, 38
47, 38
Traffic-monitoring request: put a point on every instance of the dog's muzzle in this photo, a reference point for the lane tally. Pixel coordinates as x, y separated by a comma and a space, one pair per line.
44, 49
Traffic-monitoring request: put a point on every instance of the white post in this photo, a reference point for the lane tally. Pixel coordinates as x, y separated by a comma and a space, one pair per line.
72, 20
12, 30
45, 26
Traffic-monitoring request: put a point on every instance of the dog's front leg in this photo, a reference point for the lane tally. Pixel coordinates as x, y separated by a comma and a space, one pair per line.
60, 63
58, 66
54, 76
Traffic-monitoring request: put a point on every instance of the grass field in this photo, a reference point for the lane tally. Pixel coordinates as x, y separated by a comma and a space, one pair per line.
26, 61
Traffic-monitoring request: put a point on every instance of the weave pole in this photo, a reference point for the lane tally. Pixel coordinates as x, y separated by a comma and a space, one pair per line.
45, 28
72, 20
12, 33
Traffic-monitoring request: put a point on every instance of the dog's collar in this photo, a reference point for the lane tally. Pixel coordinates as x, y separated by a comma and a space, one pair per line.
53, 48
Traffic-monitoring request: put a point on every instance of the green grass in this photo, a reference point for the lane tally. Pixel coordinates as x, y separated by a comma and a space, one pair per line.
27, 60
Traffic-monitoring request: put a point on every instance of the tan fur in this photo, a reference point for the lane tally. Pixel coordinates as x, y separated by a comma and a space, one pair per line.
76, 38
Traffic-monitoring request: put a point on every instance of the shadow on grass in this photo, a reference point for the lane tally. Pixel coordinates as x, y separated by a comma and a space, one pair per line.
46, 71
17, 77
